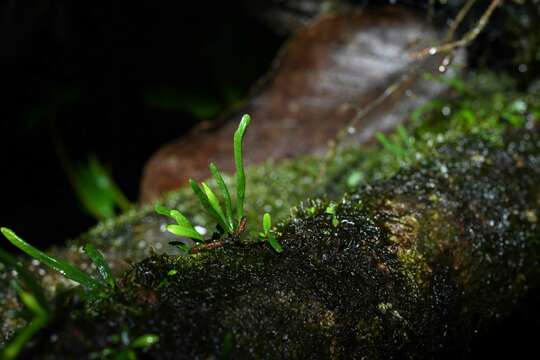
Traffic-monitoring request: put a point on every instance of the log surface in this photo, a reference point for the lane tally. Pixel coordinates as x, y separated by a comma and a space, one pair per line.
414, 267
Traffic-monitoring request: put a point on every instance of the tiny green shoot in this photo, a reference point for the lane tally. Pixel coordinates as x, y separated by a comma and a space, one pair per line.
331, 209
267, 236
239, 164
220, 211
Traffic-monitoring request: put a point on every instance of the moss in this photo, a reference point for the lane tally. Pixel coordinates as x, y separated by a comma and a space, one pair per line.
414, 260
419, 237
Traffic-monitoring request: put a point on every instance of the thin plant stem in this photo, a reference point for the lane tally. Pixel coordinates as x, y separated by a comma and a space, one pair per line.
465, 40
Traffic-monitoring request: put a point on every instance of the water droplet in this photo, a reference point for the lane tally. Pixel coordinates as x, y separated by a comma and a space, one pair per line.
201, 229
446, 110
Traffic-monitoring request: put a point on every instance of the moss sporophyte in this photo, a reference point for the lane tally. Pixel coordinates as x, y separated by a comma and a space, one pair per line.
229, 226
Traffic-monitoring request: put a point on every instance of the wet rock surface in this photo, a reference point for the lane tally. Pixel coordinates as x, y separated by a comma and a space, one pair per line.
327, 74
448, 245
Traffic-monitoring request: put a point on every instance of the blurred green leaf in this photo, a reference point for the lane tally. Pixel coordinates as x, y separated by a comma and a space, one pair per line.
36, 289
181, 246
40, 319
145, 341
103, 267
97, 191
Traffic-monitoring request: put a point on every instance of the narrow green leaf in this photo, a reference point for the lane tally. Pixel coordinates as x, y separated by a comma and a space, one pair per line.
162, 210
181, 219
31, 303
173, 214
103, 268
227, 346
388, 145
41, 317
206, 203
62, 267
214, 202
404, 135
96, 190
267, 223
36, 289
226, 196
185, 231
144, 341
181, 246
421, 111
239, 163
274, 243
105, 181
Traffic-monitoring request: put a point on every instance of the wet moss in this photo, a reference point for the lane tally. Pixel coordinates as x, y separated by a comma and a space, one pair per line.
414, 248
413, 261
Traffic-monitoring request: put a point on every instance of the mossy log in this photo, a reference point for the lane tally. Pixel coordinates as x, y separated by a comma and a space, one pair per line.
412, 268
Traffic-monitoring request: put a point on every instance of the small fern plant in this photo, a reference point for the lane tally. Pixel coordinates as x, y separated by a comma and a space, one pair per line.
229, 223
